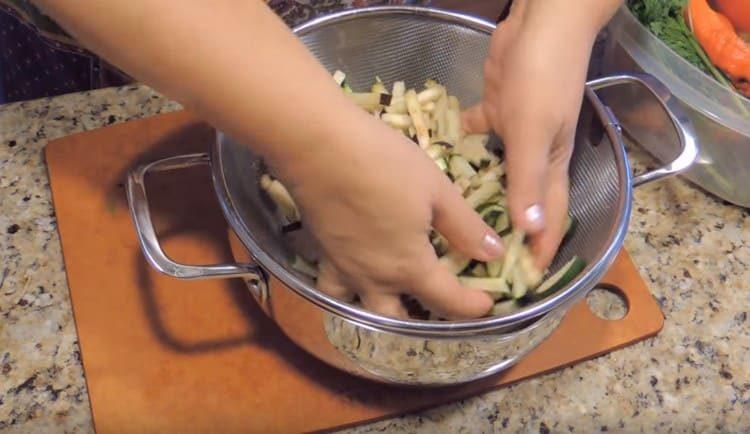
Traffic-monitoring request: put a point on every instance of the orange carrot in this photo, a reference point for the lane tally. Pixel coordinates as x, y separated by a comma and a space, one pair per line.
723, 45
737, 11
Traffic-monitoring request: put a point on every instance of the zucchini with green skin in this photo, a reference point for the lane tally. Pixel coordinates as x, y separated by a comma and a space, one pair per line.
431, 94
505, 307
498, 198
570, 226
369, 100
495, 286
529, 272
511, 255
479, 270
491, 205
493, 173
378, 87
473, 148
439, 243
502, 223
462, 184
484, 192
494, 268
397, 106
441, 113
453, 120
340, 78
417, 118
397, 121
455, 262
435, 151
491, 213
519, 284
399, 89
562, 277
281, 197
460, 168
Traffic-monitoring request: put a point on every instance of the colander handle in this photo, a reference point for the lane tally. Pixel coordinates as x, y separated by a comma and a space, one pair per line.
144, 227
682, 124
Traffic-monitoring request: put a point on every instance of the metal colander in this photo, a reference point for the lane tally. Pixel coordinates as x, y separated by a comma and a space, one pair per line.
415, 44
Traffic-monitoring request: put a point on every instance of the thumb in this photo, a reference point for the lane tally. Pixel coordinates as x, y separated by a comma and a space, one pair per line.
464, 229
527, 161
474, 120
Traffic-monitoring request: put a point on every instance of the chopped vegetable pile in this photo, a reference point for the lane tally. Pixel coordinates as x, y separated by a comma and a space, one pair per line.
711, 39
431, 118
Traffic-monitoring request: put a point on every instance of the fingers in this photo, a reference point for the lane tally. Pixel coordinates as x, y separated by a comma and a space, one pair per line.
464, 229
527, 149
373, 298
433, 285
474, 120
440, 292
383, 303
545, 244
330, 282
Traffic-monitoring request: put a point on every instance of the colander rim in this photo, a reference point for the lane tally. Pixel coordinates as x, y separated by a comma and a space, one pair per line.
563, 298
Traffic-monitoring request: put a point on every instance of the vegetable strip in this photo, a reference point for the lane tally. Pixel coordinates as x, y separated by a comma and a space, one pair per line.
431, 117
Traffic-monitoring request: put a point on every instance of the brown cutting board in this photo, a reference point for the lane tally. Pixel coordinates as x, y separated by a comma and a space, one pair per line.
169, 356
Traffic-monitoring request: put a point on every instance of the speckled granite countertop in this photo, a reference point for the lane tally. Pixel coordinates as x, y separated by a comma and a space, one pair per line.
693, 251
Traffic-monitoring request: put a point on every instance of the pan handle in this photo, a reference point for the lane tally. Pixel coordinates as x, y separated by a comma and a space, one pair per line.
144, 227
682, 124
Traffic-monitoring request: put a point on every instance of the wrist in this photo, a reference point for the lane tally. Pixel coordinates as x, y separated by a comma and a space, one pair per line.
330, 150
581, 20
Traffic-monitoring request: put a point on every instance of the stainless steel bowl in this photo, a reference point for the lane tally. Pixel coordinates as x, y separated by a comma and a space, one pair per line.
413, 44
720, 116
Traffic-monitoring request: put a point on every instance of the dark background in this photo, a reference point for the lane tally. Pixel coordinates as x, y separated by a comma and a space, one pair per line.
21, 80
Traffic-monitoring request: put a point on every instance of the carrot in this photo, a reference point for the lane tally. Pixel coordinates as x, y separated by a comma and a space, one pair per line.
737, 11
723, 45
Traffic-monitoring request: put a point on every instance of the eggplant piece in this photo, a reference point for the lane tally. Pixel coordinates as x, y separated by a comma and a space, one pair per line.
291, 227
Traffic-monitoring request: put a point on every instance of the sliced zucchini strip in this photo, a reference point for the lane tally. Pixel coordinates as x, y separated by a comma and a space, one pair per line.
431, 117
417, 118
494, 286
281, 197
562, 277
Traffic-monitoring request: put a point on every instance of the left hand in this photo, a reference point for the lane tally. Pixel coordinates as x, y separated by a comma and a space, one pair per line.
534, 81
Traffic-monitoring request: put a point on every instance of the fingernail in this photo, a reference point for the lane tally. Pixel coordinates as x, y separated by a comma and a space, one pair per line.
492, 245
534, 218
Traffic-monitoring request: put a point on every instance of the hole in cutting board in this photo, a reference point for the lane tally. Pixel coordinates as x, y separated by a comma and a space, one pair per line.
608, 302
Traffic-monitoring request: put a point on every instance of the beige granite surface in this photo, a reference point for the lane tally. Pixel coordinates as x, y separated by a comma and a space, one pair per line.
692, 249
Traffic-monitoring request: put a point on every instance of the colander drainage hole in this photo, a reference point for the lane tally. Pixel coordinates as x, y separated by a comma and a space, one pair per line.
608, 302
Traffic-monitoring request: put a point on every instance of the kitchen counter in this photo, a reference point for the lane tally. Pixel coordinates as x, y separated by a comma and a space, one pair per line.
692, 249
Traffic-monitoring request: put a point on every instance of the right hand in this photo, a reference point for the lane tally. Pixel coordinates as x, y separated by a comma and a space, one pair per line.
370, 200
534, 85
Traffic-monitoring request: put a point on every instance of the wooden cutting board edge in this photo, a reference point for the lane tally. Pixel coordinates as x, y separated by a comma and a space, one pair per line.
184, 118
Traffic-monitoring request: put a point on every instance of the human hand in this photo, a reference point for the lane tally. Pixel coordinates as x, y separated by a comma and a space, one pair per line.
534, 80
370, 200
